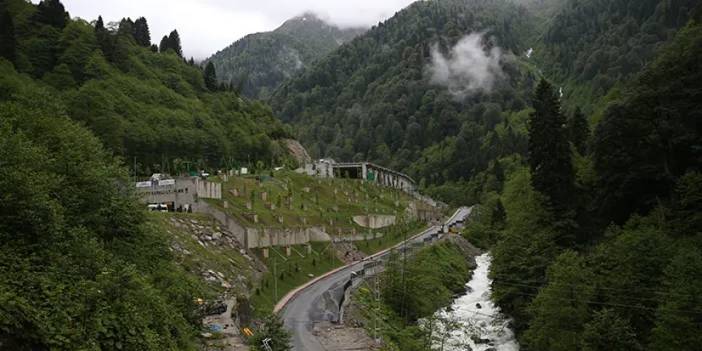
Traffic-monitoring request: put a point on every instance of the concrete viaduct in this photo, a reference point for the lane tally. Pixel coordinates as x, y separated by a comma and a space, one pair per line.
362, 170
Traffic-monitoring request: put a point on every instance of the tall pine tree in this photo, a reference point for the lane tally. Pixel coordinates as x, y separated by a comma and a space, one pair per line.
578, 130
174, 43
104, 38
550, 158
142, 35
210, 76
52, 12
163, 45
8, 44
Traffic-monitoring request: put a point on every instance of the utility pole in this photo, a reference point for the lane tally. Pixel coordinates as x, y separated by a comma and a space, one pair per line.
377, 308
275, 277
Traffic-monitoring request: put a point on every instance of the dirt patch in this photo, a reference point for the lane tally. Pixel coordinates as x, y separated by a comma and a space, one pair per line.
297, 151
347, 252
226, 337
343, 338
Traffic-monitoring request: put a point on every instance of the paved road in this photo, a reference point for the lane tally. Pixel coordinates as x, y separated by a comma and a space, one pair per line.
319, 301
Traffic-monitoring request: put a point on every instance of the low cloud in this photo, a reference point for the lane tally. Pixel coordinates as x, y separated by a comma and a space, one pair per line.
469, 68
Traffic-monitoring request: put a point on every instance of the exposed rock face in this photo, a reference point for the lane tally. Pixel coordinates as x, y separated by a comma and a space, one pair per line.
297, 151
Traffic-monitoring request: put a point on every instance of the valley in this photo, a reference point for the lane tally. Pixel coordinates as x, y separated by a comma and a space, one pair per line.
434, 175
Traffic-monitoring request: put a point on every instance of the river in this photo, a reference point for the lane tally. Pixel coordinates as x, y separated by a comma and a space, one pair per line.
473, 320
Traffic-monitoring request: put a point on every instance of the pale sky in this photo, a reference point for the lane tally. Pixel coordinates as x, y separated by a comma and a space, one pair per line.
206, 26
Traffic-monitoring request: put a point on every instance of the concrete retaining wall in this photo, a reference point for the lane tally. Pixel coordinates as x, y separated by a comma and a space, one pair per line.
229, 222
209, 190
267, 237
375, 221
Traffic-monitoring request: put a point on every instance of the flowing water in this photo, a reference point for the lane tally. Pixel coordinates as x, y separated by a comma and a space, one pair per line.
473, 320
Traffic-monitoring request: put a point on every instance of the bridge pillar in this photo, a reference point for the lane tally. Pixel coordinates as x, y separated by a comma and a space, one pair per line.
364, 171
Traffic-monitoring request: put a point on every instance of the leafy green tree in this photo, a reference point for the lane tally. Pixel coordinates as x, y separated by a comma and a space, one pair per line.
608, 331
104, 38
274, 330
649, 139
526, 249
560, 310
550, 157
8, 42
678, 322
210, 76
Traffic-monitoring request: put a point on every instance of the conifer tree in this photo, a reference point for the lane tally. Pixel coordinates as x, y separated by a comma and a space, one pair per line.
142, 35
51, 12
210, 76
154, 48
578, 130
549, 152
274, 330
163, 45
104, 38
126, 27
99, 24
7, 35
174, 43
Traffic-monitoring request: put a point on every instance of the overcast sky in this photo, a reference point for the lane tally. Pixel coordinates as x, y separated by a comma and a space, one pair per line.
206, 26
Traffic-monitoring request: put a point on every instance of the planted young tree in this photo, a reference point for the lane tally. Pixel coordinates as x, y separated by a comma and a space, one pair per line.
273, 333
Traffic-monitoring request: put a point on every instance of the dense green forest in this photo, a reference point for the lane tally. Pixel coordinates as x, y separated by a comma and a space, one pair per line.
81, 265
258, 63
601, 250
589, 185
152, 106
375, 98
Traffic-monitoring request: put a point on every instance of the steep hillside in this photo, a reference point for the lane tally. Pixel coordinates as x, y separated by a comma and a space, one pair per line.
430, 91
591, 46
151, 108
442, 89
258, 63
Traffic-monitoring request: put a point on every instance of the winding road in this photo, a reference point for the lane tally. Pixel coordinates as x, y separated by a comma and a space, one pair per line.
317, 301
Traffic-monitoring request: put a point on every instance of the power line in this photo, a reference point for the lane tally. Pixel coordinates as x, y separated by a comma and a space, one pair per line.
590, 302
654, 291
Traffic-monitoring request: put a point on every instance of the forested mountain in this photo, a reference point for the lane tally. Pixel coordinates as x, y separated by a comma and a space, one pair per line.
81, 266
376, 97
256, 64
142, 104
588, 182
590, 46
616, 262
382, 98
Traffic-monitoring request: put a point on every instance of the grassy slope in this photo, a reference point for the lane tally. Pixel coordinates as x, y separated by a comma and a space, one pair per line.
321, 203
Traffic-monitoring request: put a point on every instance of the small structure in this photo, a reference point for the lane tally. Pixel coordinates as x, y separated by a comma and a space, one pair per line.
177, 194
328, 168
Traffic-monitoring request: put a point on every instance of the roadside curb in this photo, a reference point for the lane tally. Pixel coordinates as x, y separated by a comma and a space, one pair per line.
292, 294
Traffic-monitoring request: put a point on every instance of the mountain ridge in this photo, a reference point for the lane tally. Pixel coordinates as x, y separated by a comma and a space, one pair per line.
257, 63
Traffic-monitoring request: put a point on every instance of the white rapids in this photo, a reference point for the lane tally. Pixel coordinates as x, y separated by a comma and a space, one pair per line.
473, 322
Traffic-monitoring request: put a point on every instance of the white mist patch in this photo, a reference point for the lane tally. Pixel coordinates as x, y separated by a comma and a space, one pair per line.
469, 68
